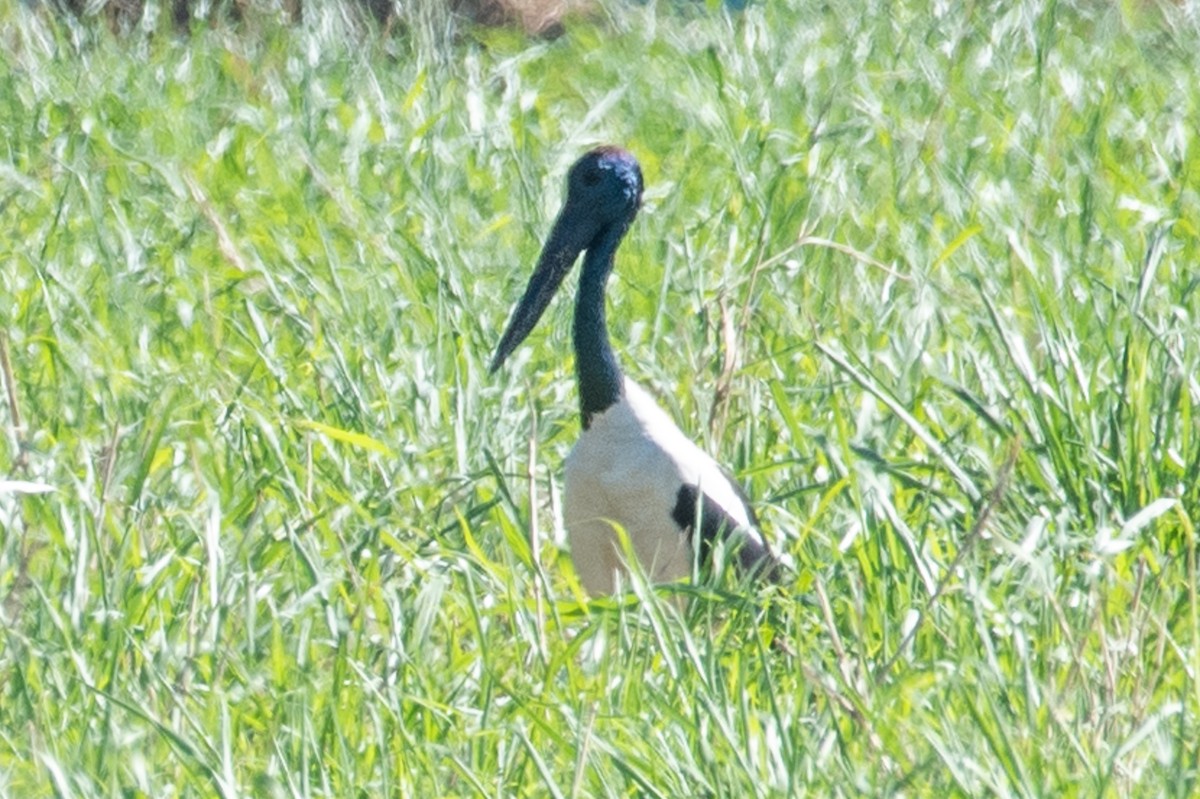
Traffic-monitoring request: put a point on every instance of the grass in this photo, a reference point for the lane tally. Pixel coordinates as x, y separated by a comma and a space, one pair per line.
923, 276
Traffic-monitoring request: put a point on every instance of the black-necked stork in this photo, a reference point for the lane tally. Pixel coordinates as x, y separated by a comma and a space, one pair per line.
632, 468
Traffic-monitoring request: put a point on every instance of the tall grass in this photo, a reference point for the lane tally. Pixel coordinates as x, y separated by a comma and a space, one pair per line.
922, 275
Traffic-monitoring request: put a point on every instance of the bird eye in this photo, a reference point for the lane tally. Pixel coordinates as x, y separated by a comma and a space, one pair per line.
591, 177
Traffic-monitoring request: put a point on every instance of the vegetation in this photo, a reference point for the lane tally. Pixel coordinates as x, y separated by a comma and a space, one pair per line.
924, 276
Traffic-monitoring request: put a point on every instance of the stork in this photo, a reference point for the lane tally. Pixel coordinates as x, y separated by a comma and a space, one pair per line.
632, 469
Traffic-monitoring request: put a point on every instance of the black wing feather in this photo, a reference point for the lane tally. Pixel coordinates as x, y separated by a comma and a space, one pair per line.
753, 557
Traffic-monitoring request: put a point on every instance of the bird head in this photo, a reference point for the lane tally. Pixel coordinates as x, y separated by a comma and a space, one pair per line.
604, 192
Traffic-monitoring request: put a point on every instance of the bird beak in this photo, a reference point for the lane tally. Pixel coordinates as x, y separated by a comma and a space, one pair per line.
570, 236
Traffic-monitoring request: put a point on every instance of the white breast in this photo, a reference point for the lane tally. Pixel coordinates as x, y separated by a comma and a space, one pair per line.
626, 470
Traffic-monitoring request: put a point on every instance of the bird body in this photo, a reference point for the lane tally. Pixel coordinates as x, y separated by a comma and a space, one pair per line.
633, 469
626, 472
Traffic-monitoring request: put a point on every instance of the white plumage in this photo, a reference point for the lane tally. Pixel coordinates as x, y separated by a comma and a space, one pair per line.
626, 469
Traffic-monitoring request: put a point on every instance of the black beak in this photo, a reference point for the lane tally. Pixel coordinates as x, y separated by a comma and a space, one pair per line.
571, 235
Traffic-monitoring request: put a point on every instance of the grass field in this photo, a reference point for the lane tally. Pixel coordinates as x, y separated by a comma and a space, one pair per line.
923, 275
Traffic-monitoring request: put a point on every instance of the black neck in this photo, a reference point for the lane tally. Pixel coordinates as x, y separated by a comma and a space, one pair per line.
595, 365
